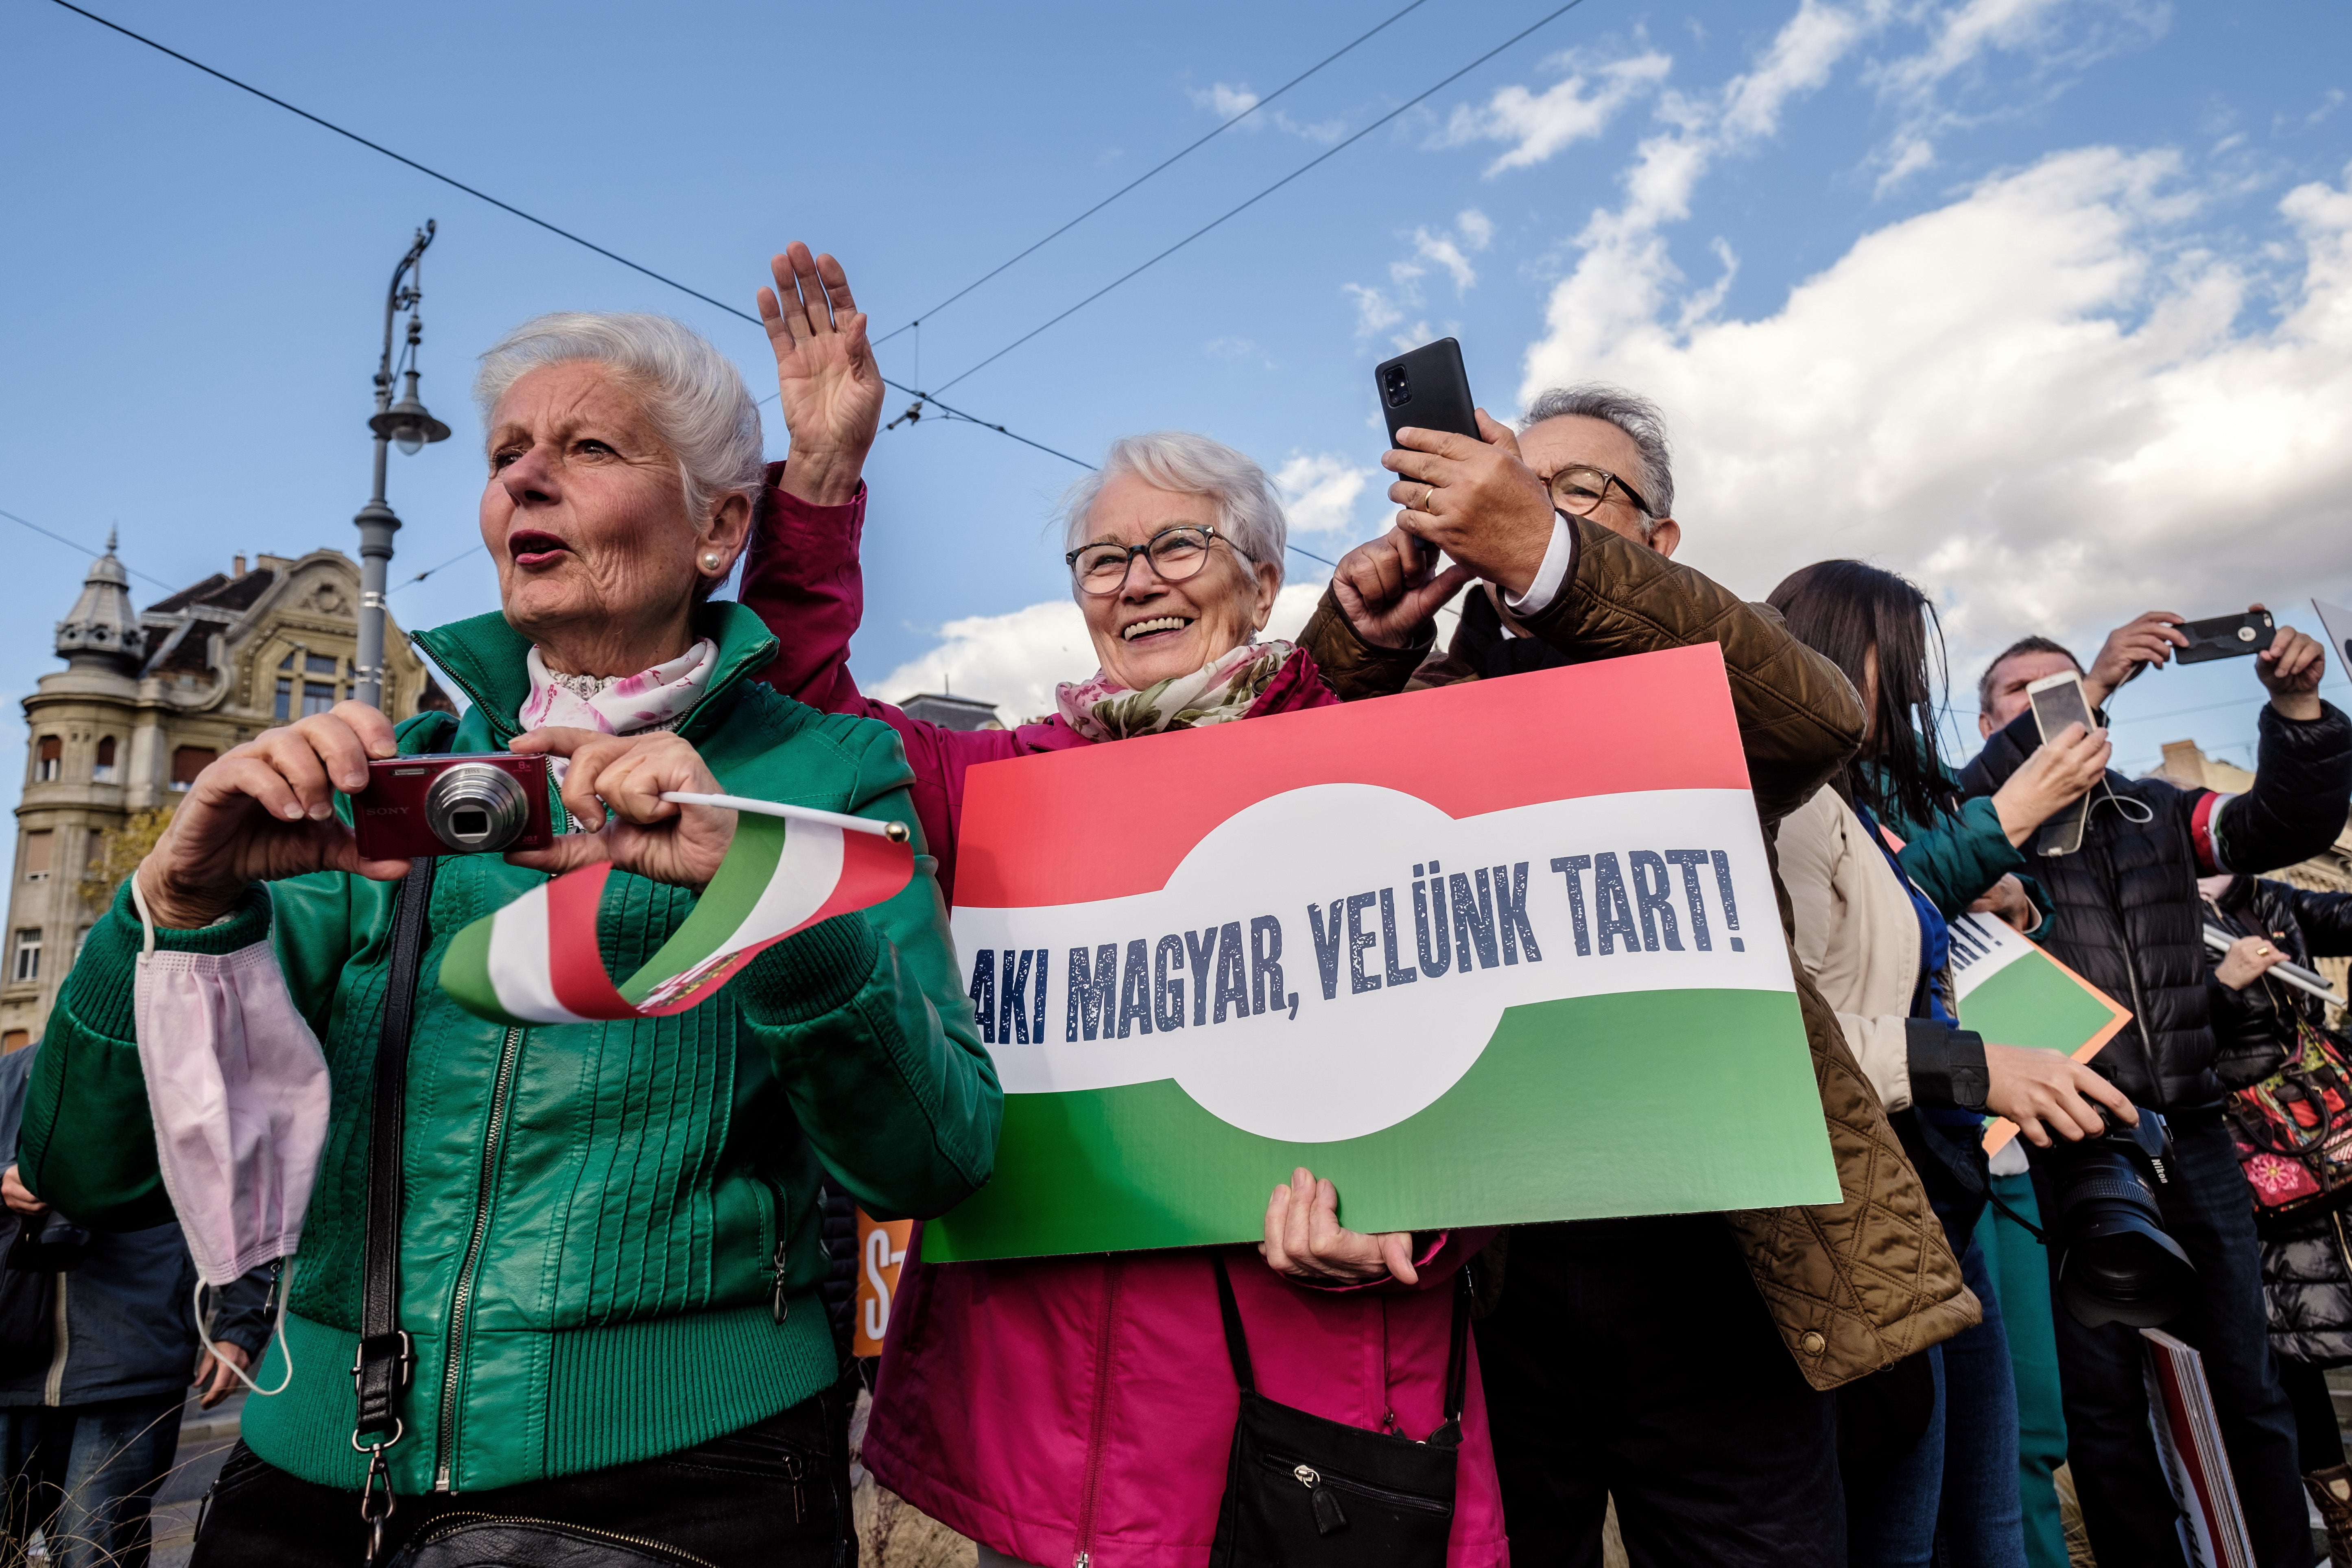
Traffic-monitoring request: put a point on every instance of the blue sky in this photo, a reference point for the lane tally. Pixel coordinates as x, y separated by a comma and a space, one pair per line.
2046, 302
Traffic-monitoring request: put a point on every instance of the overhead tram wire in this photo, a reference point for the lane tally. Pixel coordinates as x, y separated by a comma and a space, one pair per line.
1329, 152
1165, 163
86, 550
528, 218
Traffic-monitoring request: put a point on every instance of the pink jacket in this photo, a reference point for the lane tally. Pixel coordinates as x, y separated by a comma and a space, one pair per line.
1079, 1410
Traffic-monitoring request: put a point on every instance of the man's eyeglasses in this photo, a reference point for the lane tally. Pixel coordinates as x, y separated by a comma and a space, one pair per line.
1175, 554
1580, 491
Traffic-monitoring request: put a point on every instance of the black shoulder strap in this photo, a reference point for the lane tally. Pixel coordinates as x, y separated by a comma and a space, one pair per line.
1237, 1342
1457, 1359
386, 1359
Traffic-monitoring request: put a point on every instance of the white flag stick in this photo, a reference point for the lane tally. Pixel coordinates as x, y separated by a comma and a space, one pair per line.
896, 832
2294, 975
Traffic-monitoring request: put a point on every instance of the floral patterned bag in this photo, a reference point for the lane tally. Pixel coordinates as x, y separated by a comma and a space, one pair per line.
2293, 1128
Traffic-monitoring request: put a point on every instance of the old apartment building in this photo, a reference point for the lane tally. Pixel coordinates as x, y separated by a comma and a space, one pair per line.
147, 699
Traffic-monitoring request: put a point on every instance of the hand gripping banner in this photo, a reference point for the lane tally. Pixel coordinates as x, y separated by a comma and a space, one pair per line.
537, 961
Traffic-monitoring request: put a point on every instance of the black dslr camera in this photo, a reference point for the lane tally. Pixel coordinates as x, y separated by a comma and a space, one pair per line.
2115, 1264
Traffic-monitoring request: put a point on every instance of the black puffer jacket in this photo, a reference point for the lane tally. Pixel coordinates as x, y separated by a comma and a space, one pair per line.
2306, 1260
2129, 918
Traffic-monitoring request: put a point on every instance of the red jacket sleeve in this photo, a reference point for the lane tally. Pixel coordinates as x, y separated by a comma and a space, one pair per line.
803, 579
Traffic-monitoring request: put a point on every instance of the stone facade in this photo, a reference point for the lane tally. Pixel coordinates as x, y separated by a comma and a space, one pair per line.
145, 700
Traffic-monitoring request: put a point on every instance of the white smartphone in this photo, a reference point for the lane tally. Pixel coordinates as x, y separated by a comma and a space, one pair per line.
2058, 700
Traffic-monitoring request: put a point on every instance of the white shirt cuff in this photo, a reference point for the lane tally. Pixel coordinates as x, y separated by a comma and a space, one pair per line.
1548, 577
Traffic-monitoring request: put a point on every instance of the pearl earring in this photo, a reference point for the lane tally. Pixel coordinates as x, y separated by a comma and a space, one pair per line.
712, 560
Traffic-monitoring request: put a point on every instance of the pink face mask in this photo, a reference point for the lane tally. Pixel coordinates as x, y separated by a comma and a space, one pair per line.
237, 1088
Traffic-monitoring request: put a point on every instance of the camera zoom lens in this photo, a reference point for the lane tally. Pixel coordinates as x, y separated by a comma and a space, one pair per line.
475, 808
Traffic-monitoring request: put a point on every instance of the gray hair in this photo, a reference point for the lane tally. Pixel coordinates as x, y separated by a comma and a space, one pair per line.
1642, 421
1249, 510
693, 395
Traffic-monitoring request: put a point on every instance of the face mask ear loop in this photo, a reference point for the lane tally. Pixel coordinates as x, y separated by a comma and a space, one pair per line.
146, 921
203, 1334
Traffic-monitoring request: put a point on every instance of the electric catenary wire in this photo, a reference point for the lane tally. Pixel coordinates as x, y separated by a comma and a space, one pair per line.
518, 212
1330, 153
86, 550
1165, 163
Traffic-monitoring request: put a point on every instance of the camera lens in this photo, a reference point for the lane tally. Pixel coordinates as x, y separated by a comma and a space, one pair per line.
1399, 392
476, 808
2115, 1264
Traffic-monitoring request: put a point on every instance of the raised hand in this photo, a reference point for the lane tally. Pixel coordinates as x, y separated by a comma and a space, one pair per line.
614, 790
2290, 669
829, 387
1304, 1240
2054, 777
2147, 639
1474, 500
1390, 588
264, 811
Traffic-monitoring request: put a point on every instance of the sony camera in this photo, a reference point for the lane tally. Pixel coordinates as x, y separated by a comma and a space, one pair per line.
483, 803
2115, 1264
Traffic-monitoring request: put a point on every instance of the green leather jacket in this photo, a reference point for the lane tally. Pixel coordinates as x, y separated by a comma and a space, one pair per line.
609, 1245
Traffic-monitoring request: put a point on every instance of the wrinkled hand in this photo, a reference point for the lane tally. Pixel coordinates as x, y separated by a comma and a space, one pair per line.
614, 790
2146, 639
2007, 899
829, 387
2289, 670
1390, 588
224, 1382
17, 1195
2248, 960
264, 811
1304, 1240
2032, 1087
2054, 777
1476, 501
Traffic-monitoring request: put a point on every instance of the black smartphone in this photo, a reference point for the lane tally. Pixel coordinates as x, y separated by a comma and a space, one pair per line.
1427, 388
2226, 636
2058, 700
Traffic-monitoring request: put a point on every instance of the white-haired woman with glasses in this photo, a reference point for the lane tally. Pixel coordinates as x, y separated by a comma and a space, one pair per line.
1058, 1409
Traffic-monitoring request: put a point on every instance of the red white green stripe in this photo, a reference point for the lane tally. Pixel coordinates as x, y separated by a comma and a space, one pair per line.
537, 961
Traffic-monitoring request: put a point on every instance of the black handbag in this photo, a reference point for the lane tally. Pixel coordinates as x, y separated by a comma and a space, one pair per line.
1304, 1492
492, 1541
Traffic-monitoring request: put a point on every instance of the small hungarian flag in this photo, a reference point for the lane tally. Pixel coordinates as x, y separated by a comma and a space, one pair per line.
536, 960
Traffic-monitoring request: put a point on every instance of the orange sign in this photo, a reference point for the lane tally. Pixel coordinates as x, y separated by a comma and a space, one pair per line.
881, 1248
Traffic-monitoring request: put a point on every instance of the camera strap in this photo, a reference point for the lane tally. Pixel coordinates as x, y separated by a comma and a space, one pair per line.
1967, 1164
386, 1359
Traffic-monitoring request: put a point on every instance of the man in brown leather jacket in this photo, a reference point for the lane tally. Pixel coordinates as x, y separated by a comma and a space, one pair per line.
1681, 1363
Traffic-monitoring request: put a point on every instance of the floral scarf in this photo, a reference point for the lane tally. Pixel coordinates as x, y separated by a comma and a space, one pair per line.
1102, 710
655, 698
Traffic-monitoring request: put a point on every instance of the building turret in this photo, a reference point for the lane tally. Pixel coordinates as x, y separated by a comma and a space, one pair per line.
101, 631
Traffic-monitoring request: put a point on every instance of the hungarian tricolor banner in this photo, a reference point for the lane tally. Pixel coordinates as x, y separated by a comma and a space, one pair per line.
536, 960
1507, 951
2011, 992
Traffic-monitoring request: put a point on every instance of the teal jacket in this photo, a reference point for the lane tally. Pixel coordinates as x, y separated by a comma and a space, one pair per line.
609, 1241
1956, 859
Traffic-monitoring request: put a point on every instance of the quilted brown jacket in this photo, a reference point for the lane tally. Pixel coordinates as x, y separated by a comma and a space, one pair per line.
1854, 1286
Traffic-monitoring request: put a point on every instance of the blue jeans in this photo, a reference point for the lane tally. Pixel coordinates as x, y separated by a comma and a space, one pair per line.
1982, 1524
2126, 1504
84, 1476
1890, 1520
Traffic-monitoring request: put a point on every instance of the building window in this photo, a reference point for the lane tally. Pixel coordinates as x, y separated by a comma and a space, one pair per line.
187, 762
81, 939
28, 954
14, 1040
48, 760
102, 768
283, 708
320, 664
316, 697
93, 852
38, 850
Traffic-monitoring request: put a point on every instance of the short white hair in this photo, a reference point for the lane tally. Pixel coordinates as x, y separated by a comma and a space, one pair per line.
1249, 509
693, 395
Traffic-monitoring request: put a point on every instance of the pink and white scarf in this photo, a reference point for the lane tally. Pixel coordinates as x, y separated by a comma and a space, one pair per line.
655, 698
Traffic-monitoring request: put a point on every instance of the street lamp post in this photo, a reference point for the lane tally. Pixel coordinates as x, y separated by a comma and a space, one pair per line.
407, 424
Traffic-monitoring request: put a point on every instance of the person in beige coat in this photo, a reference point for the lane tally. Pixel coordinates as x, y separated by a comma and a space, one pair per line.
1929, 1448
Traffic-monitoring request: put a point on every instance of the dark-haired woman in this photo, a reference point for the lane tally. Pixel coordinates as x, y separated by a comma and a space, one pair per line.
1932, 1446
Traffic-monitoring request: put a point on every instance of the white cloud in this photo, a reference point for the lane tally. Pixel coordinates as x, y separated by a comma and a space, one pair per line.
1574, 108
1319, 491
1015, 660
1379, 308
2045, 400
1226, 102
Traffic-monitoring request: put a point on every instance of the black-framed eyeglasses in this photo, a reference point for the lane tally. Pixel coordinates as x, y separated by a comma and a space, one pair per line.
1175, 554
1579, 489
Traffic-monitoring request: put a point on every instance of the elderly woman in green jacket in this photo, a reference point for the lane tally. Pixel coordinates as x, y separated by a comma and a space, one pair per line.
608, 1242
